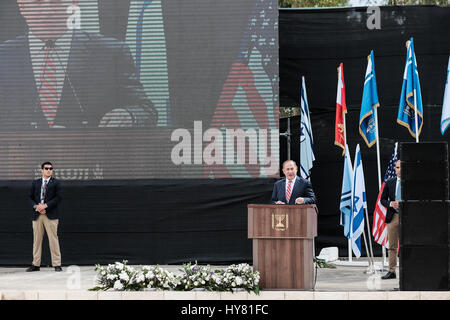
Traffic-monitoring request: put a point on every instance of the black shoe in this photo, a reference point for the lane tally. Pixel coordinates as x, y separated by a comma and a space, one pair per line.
58, 269
389, 275
33, 268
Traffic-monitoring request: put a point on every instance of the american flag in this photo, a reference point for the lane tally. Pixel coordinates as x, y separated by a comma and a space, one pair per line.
379, 229
249, 98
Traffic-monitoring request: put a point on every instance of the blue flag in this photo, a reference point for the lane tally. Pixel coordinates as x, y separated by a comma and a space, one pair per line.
367, 125
411, 98
445, 118
346, 194
358, 204
306, 137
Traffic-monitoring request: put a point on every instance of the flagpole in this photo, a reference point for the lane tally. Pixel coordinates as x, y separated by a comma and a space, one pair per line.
350, 255
369, 253
383, 249
370, 249
288, 134
378, 148
339, 70
415, 118
367, 250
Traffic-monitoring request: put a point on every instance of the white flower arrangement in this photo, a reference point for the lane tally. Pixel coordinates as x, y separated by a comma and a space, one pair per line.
240, 276
117, 276
159, 278
195, 276
120, 277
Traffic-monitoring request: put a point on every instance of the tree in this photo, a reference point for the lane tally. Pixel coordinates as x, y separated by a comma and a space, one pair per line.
340, 3
311, 3
418, 2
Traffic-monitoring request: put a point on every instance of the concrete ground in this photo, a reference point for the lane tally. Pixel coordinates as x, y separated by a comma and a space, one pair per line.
345, 283
341, 279
342, 283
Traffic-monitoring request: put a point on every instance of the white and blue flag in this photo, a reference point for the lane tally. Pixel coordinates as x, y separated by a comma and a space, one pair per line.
358, 204
306, 136
346, 195
445, 119
411, 97
367, 124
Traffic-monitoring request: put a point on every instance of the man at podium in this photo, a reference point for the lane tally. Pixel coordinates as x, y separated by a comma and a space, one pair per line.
292, 189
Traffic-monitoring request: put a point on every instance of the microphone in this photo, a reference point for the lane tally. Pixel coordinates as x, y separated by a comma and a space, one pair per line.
50, 44
80, 106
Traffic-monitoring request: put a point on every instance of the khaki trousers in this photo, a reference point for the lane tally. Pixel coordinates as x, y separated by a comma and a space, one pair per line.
40, 226
392, 229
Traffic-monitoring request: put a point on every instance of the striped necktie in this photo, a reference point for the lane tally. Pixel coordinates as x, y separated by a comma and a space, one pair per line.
288, 191
48, 91
44, 191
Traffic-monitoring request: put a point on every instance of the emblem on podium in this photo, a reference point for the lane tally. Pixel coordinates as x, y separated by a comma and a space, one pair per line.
280, 222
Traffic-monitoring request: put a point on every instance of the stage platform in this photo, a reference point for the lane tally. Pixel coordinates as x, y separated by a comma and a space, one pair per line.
342, 283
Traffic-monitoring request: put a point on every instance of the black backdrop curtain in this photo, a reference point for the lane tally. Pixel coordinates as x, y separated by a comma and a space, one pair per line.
143, 221
312, 44
174, 221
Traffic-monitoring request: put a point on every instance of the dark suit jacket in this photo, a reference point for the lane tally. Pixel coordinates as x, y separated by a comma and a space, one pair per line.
302, 188
53, 197
387, 196
103, 77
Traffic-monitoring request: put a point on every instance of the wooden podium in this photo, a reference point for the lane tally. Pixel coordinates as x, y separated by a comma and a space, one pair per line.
283, 244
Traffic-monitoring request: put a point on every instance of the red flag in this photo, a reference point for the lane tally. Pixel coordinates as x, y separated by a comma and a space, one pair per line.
341, 110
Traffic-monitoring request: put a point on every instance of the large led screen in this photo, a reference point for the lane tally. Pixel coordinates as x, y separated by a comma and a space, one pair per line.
139, 89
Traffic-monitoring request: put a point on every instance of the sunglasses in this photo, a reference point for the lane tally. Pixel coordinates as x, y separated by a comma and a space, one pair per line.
46, 168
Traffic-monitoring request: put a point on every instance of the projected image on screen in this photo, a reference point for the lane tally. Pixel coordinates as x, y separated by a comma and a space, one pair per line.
139, 89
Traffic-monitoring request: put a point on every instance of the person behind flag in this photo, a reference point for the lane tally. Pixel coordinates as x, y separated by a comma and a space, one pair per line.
367, 120
411, 98
346, 194
445, 118
379, 229
306, 138
358, 204
292, 189
391, 198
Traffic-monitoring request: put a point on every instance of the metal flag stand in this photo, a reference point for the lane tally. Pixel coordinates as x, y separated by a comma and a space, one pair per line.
288, 135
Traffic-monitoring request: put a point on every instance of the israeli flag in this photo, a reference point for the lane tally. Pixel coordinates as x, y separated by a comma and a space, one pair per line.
346, 194
411, 98
358, 204
445, 119
306, 136
367, 125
